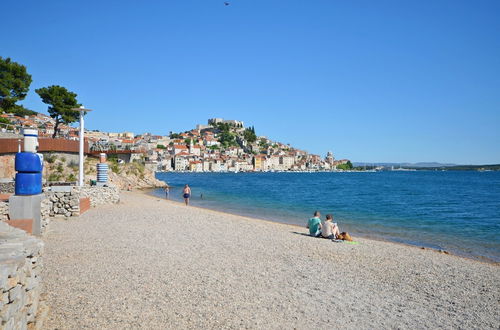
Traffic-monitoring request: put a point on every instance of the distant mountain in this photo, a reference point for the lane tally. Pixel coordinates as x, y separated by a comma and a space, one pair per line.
412, 165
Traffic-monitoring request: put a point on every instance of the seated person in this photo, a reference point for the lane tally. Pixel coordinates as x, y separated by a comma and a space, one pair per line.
329, 229
314, 225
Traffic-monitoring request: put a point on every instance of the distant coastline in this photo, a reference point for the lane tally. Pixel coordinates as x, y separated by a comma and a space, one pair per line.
478, 168
430, 166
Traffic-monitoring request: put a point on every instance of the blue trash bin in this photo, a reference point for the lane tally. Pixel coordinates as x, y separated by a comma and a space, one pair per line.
28, 183
28, 162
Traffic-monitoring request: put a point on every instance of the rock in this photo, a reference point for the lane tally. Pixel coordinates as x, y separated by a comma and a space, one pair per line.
15, 293
12, 282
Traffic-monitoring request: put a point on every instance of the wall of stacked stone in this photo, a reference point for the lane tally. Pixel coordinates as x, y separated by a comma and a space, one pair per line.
67, 204
100, 195
20, 281
61, 204
4, 211
45, 210
7, 187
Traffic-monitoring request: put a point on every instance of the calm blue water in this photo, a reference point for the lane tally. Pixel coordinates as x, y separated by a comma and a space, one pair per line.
455, 211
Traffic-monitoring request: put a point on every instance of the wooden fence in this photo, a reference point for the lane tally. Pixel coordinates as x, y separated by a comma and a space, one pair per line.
8, 146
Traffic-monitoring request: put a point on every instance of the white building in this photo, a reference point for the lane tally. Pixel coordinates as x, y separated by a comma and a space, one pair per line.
200, 127
287, 162
181, 162
224, 121
272, 163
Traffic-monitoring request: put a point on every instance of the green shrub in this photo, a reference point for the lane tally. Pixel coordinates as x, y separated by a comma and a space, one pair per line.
115, 168
51, 158
53, 177
71, 178
59, 168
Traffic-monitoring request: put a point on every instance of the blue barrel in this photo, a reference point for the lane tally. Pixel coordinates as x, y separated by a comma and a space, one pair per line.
28, 183
28, 162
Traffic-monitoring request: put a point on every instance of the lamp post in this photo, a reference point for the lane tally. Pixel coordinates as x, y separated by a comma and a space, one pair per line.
82, 112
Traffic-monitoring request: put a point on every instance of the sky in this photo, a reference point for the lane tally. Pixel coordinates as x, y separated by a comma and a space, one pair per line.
372, 81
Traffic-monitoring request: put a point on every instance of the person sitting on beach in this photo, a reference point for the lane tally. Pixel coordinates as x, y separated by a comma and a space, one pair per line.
329, 229
186, 193
314, 225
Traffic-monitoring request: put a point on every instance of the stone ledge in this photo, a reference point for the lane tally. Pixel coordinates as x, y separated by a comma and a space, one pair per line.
20, 281
24, 224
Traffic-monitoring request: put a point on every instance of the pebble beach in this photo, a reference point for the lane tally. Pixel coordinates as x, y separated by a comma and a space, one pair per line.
153, 264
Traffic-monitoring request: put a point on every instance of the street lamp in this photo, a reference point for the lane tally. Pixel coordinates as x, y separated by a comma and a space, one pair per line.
82, 112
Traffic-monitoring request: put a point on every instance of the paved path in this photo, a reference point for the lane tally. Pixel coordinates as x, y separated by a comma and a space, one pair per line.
152, 264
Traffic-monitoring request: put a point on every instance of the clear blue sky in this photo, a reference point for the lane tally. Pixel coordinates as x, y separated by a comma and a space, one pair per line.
370, 80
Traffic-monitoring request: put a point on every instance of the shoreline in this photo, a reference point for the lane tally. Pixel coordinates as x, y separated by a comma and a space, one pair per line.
149, 192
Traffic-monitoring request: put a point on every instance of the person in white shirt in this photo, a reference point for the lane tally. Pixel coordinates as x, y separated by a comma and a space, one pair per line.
329, 229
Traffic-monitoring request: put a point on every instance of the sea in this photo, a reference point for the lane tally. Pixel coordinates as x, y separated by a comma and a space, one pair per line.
454, 211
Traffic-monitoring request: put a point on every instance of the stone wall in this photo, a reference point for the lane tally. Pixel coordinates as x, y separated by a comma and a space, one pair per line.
62, 204
4, 211
67, 203
100, 195
7, 186
20, 281
45, 210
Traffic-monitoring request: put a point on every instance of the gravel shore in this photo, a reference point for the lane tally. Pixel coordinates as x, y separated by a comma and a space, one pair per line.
153, 264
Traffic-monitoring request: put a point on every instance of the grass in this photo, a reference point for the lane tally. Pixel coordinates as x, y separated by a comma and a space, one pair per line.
54, 177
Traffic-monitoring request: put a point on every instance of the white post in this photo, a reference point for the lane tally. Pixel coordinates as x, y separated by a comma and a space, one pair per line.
80, 165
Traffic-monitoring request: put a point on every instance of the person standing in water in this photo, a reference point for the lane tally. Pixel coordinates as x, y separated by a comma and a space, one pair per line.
167, 191
186, 193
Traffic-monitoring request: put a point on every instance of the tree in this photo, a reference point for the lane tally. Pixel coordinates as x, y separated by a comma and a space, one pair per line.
15, 82
60, 102
346, 166
21, 111
249, 135
227, 139
174, 135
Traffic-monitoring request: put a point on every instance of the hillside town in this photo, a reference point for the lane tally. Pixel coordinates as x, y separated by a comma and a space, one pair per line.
218, 146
